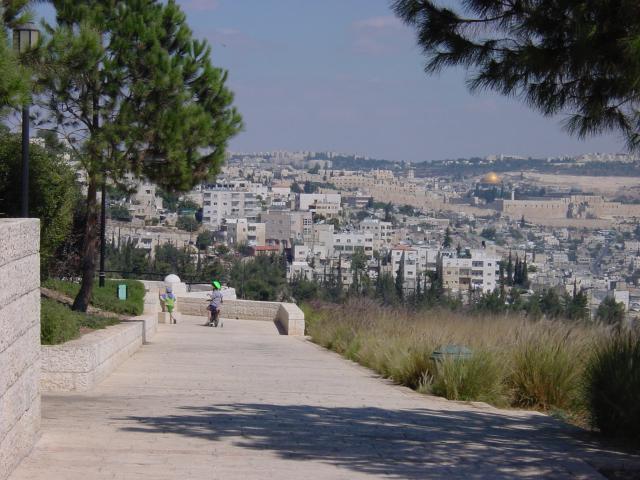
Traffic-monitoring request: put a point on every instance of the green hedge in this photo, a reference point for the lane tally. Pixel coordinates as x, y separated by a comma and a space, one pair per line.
106, 298
59, 324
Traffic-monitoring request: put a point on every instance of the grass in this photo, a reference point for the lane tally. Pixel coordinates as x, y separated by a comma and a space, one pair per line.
612, 386
59, 324
106, 298
515, 362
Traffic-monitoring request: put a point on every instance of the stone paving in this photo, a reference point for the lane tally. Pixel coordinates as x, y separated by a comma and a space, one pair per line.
243, 402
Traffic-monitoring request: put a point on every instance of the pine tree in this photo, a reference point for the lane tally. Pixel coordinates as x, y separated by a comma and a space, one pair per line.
133, 92
575, 56
14, 76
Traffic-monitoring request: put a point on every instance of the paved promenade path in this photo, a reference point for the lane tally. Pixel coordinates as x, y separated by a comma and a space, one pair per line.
243, 402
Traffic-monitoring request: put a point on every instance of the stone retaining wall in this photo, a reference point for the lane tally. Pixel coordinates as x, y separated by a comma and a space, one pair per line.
79, 365
287, 315
19, 340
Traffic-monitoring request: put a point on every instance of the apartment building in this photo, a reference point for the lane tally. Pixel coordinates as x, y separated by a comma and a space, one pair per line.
408, 258
222, 203
346, 243
240, 231
325, 204
383, 232
478, 270
144, 203
286, 227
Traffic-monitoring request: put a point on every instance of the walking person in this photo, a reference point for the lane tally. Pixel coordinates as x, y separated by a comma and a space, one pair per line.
215, 304
168, 300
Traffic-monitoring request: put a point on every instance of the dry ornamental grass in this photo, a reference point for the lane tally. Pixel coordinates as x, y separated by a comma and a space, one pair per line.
514, 362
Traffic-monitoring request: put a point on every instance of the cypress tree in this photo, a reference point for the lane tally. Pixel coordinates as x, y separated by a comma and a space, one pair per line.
400, 279
510, 270
447, 238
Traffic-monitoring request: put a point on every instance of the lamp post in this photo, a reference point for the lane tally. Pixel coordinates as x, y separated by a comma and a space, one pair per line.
25, 37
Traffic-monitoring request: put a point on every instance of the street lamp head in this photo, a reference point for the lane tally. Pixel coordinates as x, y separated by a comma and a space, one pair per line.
25, 37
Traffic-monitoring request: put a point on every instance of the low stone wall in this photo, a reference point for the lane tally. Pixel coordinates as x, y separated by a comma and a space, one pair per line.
79, 365
19, 340
291, 318
287, 315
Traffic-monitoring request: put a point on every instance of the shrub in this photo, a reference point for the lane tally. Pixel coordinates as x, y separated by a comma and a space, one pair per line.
612, 385
547, 367
58, 324
405, 361
106, 298
478, 378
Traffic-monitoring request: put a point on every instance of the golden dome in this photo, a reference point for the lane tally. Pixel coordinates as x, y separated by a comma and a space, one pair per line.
491, 178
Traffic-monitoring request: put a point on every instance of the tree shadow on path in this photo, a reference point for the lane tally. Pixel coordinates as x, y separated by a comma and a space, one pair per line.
418, 443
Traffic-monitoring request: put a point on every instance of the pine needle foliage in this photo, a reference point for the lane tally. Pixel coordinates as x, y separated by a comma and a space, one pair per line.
133, 92
580, 57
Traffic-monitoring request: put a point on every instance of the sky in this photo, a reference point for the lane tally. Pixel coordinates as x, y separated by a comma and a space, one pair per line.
347, 76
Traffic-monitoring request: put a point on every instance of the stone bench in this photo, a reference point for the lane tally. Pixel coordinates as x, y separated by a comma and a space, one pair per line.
287, 315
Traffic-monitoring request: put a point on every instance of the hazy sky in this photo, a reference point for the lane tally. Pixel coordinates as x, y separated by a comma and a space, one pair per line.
346, 75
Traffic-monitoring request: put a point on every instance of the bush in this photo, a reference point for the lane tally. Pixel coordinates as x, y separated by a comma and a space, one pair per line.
52, 191
106, 298
59, 324
612, 386
479, 378
187, 223
547, 368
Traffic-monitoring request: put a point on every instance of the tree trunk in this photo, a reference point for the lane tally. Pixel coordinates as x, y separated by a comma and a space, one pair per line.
89, 249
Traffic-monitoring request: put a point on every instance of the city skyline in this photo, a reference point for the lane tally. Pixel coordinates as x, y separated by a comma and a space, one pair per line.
347, 76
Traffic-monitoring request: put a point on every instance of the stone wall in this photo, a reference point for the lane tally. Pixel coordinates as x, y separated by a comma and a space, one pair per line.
19, 340
79, 365
288, 315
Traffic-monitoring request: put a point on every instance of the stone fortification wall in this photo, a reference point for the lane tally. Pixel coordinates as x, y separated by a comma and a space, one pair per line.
19, 340
576, 206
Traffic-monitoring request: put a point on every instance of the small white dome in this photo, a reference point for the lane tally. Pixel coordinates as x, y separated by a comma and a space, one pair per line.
170, 279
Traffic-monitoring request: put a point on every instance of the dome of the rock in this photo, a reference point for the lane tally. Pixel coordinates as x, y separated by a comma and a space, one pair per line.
490, 178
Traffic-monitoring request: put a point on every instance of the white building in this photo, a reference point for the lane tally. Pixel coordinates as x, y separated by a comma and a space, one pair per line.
326, 204
477, 271
346, 243
240, 231
408, 257
220, 204
382, 232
